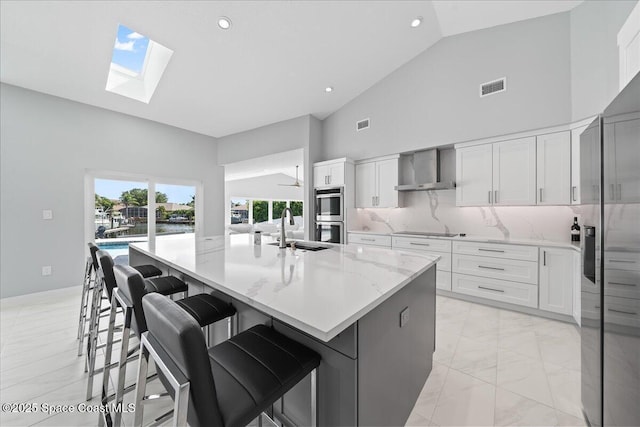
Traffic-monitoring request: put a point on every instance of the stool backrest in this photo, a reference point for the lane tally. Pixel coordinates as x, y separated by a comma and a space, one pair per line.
106, 266
131, 283
181, 338
92, 250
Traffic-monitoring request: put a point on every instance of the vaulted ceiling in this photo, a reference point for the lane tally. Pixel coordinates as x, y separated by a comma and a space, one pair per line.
273, 64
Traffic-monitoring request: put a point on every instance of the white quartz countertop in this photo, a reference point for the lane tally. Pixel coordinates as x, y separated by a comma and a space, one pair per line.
482, 239
320, 293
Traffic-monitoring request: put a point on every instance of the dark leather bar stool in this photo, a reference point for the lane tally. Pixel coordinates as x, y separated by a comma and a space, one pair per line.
229, 384
103, 289
204, 309
147, 271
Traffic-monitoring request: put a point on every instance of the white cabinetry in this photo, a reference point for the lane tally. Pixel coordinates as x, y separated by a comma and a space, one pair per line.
557, 277
369, 239
575, 164
474, 175
500, 272
329, 173
554, 168
514, 172
375, 183
502, 173
439, 247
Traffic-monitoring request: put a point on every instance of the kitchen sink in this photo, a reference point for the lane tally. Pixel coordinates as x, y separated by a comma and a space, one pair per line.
303, 246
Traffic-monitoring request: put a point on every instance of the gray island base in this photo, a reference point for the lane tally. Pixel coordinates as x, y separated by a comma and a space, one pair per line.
371, 372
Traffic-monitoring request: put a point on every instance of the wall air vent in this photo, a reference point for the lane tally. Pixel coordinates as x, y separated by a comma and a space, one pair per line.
362, 125
495, 86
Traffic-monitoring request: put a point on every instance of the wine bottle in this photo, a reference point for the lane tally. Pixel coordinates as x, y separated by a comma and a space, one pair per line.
575, 230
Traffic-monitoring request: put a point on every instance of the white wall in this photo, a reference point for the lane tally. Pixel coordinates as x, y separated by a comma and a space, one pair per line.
47, 144
594, 54
434, 99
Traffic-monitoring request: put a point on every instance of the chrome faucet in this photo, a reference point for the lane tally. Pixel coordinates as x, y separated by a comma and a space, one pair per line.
283, 239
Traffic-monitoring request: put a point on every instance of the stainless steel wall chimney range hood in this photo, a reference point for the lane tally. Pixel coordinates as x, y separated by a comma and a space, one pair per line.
432, 169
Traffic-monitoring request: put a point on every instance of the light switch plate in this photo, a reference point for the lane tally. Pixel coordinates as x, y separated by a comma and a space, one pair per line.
47, 214
404, 317
46, 270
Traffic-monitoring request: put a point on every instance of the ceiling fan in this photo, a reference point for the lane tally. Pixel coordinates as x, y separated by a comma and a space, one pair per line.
296, 183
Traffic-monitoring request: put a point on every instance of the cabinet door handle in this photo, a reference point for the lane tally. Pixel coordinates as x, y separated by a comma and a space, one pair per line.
613, 192
573, 193
495, 196
377, 200
373, 200
541, 195
491, 289
544, 257
633, 313
622, 284
419, 244
329, 178
490, 250
367, 240
619, 191
489, 196
628, 261
491, 268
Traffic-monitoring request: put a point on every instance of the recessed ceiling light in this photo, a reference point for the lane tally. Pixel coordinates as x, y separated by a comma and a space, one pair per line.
416, 22
224, 22
328, 89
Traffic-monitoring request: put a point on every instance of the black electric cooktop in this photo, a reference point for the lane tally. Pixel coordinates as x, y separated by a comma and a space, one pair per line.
427, 233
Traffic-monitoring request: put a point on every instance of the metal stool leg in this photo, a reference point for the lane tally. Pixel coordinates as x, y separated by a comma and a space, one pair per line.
86, 284
122, 364
107, 358
141, 387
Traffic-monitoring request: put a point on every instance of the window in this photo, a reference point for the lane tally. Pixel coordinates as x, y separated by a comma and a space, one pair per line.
260, 211
137, 65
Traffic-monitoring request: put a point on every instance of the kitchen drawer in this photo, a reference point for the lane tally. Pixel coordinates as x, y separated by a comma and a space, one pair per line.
622, 311
421, 244
444, 264
497, 250
443, 279
622, 283
370, 239
622, 260
498, 290
504, 269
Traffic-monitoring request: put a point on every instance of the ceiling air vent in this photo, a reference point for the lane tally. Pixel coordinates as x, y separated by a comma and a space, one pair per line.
495, 86
362, 125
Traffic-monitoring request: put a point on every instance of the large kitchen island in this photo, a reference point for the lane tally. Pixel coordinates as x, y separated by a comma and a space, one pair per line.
369, 312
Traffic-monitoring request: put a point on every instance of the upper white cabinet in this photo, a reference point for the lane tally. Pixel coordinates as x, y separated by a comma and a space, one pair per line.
375, 183
474, 175
514, 172
557, 280
553, 168
501, 173
329, 174
575, 164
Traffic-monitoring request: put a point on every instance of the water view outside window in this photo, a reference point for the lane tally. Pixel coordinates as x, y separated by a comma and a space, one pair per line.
175, 209
120, 208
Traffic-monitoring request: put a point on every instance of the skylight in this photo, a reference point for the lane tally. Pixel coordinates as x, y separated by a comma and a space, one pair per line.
137, 64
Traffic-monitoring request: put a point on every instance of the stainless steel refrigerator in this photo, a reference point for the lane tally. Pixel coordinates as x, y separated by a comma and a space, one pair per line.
610, 294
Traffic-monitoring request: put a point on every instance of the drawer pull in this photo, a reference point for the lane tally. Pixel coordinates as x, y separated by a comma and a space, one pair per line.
623, 260
490, 250
491, 268
622, 284
367, 240
633, 313
419, 244
491, 289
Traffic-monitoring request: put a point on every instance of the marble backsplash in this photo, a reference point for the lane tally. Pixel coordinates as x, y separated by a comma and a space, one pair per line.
436, 211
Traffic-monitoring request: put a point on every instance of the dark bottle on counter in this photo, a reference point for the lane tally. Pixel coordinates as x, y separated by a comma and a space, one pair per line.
575, 230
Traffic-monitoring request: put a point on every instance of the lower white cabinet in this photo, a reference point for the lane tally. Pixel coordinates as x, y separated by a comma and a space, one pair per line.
495, 289
369, 239
557, 280
438, 247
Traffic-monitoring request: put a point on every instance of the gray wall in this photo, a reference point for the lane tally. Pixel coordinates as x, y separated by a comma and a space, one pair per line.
594, 54
433, 99
47, 143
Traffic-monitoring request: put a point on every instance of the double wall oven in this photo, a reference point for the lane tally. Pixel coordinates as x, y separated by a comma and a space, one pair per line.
329, 208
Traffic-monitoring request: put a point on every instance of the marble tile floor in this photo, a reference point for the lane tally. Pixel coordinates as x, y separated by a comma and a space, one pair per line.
491, 366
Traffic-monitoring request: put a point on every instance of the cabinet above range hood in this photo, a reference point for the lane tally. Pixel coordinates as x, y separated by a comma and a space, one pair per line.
432, 169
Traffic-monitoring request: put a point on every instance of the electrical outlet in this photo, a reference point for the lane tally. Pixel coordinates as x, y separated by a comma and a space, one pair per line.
46, 270
404, 317
47, 214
